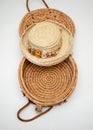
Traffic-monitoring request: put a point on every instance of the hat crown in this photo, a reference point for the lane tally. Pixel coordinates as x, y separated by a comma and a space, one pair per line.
44, 35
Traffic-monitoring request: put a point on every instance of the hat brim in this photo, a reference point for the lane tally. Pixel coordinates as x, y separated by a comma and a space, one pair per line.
64, 52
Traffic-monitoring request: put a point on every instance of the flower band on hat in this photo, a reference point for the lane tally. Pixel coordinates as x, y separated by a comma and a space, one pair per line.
44, 53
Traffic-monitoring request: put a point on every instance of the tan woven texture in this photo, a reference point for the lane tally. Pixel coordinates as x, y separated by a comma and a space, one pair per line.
48, 86
45, 35
66, 44
40, 15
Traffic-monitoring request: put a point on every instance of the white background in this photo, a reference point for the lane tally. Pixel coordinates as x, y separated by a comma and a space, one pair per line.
77, 113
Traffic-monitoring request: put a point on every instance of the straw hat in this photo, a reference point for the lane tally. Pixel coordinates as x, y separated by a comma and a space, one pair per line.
46, 43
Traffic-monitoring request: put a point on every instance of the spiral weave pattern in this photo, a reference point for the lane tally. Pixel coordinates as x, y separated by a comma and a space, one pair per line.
40, 15
48, 86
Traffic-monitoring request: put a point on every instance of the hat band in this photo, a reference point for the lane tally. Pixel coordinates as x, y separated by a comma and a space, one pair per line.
44, 53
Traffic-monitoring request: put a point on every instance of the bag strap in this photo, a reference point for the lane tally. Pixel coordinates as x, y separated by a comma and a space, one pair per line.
33, 118
27, 6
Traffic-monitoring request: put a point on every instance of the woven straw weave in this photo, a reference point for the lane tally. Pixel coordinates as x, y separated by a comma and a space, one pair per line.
66, 42
48, 86
40, 15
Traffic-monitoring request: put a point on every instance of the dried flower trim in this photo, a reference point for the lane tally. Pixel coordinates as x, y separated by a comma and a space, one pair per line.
44, 53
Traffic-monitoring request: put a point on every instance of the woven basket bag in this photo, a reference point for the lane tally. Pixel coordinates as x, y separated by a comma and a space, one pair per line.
46, 86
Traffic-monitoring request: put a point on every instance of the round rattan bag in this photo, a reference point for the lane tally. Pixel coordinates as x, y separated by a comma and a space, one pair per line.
46, 86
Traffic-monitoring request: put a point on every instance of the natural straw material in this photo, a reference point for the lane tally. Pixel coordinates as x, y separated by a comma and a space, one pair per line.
48, 86
40, 15
44, 49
